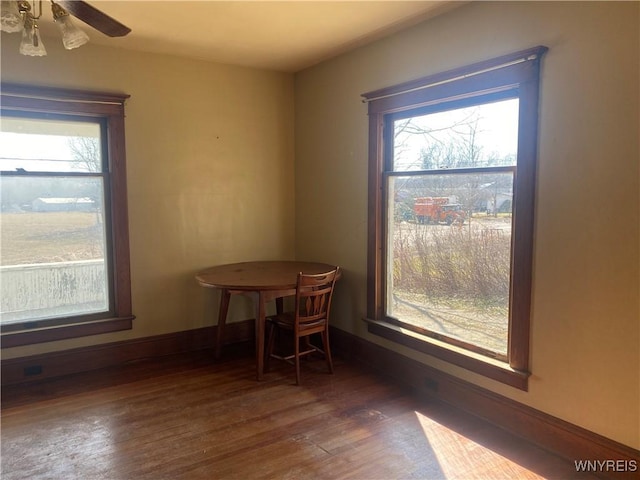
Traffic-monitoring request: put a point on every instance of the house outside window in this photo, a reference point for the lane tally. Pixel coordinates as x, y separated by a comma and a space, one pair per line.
64, 263
452, 183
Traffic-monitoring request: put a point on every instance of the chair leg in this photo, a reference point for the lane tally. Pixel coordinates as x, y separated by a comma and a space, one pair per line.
327, 350
297, 358
269, 349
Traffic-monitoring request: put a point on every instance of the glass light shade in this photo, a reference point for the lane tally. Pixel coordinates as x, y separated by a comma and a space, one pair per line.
10, 18
31, 44
72, 36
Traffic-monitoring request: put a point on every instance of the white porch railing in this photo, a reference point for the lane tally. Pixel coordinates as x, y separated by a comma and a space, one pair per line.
52, 289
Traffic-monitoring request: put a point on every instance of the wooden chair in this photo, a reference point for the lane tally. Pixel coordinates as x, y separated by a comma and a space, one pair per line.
310, 316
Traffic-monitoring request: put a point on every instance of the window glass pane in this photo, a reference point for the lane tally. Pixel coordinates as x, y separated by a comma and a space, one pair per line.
53, 261
36, 145
449, 255
478, 136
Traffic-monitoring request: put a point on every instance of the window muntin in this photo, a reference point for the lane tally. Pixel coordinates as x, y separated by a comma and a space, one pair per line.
65, 252
395, 180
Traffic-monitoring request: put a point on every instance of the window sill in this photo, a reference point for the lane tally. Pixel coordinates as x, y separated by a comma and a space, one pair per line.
488, 367
28, 337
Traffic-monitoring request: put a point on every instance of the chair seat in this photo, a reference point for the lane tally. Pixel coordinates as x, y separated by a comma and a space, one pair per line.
287, 321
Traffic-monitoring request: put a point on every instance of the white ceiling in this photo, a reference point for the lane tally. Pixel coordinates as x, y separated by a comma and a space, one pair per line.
277, 35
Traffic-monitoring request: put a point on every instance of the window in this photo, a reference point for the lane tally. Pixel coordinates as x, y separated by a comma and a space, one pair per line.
64, 263
451, 197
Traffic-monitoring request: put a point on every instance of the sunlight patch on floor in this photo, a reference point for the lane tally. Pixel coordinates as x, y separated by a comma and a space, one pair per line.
459, 457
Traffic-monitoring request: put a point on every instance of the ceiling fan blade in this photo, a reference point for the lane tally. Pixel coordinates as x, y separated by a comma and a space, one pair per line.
94, 17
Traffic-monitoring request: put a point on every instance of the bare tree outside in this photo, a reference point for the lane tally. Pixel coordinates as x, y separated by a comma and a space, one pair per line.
87, 157
86, 153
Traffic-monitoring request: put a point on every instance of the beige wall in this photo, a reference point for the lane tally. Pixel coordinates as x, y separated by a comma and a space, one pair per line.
210, 173
585, 324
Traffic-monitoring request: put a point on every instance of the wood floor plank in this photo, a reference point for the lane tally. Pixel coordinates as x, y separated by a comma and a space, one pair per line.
191, 417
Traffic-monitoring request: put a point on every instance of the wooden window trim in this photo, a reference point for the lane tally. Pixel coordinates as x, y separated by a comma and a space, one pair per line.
109, 108
519, 71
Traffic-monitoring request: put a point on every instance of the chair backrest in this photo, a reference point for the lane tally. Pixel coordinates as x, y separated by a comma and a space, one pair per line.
313, 297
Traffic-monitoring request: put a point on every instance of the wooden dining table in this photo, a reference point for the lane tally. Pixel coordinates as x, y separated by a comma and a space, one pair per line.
262, 281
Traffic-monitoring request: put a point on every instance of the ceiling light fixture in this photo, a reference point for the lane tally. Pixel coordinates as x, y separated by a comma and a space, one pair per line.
16, 16
72, 36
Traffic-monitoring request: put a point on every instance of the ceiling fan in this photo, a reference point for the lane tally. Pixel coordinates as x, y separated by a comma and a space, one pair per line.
23, 16
95, 18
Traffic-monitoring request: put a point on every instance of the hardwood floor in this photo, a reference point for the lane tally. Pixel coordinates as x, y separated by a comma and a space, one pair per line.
190, 417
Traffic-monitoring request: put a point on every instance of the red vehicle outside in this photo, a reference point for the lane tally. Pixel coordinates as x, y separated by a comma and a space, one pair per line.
438, 210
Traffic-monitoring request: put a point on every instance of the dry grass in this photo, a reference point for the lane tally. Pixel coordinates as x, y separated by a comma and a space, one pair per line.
42, 237
455, 280
469, 262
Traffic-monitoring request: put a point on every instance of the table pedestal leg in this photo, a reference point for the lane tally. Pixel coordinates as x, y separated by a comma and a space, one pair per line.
222, 319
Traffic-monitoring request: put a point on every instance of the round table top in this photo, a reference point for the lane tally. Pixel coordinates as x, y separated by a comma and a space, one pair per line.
261, 275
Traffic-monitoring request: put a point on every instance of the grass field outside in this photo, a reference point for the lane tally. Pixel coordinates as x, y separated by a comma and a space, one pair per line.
49, 237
